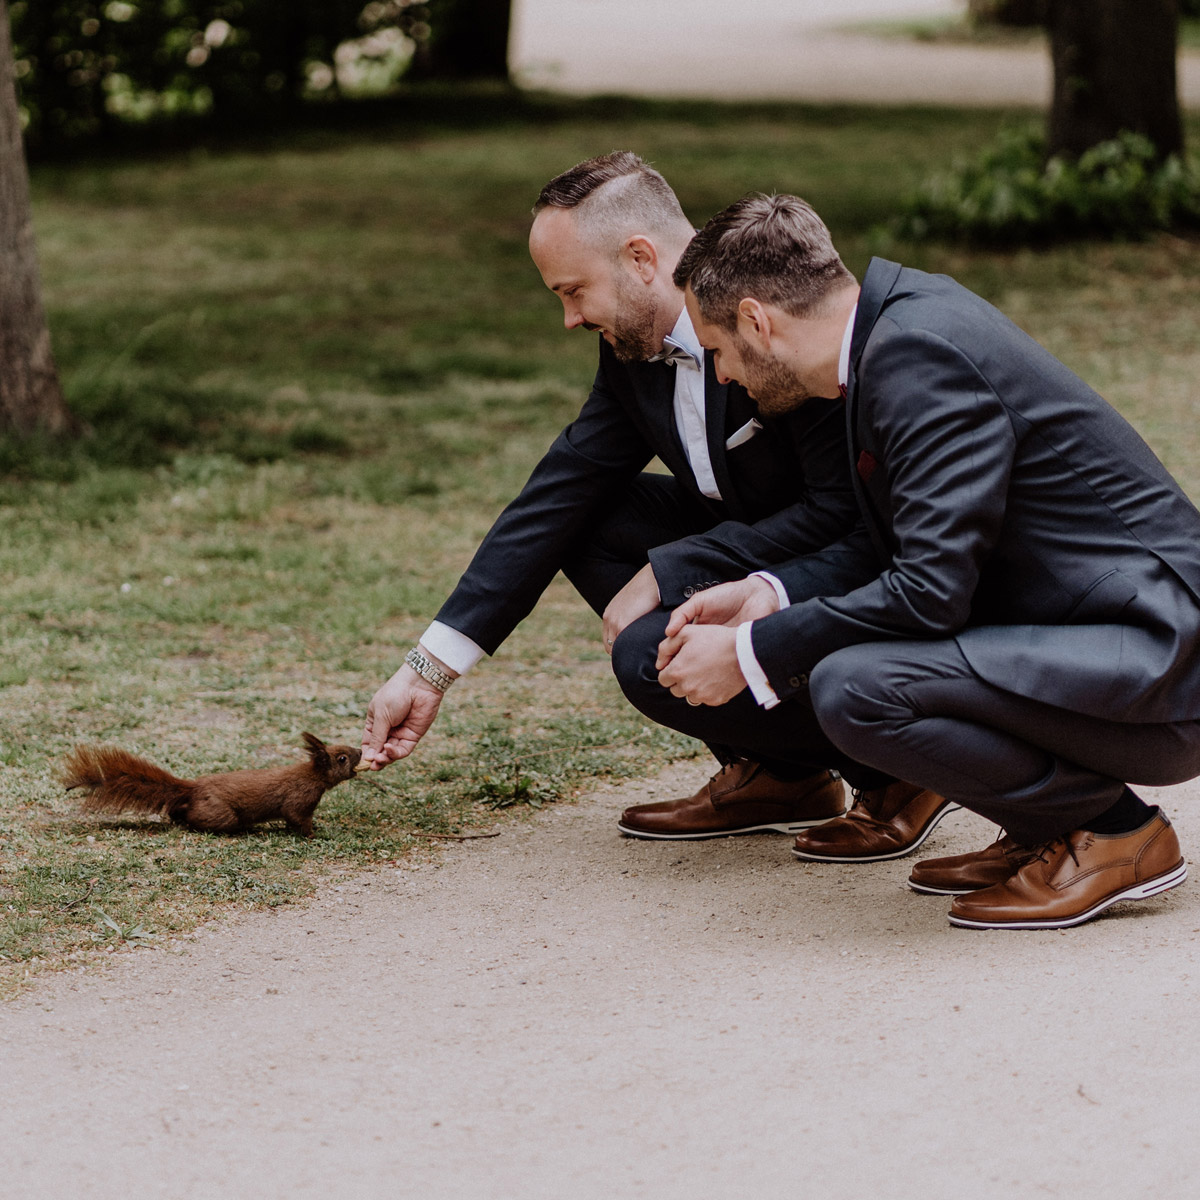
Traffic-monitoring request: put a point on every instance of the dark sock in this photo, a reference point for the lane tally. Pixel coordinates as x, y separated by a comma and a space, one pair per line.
1129, 813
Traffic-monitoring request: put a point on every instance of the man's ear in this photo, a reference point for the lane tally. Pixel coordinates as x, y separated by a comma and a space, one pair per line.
754, 323
642, 256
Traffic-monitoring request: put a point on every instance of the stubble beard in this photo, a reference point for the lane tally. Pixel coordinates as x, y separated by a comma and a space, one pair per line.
775, 388
634, 337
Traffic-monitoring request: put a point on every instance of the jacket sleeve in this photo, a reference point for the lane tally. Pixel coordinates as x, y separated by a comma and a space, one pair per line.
945, 445
824, 511
596, 455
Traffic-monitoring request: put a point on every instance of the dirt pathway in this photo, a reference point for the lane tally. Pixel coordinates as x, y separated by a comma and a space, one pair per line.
560, 1012
776, 50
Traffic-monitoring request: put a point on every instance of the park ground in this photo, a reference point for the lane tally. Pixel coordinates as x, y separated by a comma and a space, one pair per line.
553, 1011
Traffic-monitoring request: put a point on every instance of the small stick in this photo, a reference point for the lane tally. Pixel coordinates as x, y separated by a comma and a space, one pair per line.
459, 837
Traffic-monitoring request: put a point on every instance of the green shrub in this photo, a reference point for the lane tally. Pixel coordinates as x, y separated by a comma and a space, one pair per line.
1010, 193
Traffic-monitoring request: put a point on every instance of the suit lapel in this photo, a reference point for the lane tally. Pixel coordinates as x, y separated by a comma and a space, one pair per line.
877, 285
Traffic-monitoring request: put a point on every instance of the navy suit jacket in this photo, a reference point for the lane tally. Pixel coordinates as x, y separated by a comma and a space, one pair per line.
1010, 507
786, 491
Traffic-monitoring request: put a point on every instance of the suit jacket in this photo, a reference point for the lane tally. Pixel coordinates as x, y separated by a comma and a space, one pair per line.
1009, 507
786, 491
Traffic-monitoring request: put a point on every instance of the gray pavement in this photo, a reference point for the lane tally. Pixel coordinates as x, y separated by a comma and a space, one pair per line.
560, 1012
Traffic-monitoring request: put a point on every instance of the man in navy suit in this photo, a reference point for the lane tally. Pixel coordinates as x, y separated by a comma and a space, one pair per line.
1029, 643
743, 491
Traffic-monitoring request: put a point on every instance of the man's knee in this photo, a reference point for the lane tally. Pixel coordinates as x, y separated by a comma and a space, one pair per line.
633, 658
850, 693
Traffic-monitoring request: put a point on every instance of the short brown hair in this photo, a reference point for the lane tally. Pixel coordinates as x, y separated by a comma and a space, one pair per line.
774, 248
616, 193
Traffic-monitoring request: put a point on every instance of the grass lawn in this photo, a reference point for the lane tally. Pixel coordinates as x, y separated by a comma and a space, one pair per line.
313, 373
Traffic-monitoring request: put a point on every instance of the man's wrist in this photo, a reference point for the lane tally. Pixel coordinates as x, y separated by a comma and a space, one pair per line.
431, 669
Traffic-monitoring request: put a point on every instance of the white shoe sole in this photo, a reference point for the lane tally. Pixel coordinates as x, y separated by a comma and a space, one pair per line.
784, 827
926, 890
945, 810
1139, 891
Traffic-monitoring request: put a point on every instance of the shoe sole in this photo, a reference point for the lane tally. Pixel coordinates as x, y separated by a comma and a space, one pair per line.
783, 827
1140, 891
927, 889
810, 856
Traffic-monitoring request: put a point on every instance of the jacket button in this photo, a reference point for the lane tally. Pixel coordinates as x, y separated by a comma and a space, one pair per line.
797, 681
689, 592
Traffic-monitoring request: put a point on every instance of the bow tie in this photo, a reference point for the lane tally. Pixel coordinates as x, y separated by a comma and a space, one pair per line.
675, 356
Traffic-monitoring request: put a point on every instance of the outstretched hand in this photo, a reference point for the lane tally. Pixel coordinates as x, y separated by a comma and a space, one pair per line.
728, 604
399, 715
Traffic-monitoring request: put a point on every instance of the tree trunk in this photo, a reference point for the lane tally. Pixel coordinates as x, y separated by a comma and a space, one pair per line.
469, 41
1114, 69
31, 398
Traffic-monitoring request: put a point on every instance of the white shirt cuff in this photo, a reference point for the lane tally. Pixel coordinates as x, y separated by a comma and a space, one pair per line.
455, 649
780, 594
756, 677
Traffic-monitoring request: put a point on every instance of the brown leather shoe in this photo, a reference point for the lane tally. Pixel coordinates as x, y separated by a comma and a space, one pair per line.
962, 873
1076, 877
740, 798
881, 824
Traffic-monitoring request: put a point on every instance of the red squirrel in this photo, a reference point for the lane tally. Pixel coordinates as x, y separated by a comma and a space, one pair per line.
230, 802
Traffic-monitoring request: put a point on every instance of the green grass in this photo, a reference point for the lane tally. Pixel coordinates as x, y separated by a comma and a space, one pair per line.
313, 373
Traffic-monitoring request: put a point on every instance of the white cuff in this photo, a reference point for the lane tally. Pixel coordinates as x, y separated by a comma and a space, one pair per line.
455, 649
756, 678
780, 594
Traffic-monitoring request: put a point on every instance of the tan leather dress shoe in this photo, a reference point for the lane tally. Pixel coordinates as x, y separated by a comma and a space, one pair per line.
961, 873
885, 823
1075, 878
740, 798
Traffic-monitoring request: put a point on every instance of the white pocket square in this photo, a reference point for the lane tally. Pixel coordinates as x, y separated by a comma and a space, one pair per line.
743, 435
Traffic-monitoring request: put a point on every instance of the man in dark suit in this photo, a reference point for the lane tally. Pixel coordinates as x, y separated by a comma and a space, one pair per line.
742, 491
1030, 641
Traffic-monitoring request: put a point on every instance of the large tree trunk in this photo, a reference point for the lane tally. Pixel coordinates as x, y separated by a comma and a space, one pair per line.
1114, 69
30, 396
469, 41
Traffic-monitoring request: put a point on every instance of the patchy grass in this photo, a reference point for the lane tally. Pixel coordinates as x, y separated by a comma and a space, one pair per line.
314, 372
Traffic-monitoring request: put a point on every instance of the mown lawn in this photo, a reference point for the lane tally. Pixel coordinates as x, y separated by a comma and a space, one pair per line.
312, 374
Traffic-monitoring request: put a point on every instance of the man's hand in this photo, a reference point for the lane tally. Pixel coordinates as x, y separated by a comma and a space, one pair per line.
398, 717
729, 604
700, 664
638, 597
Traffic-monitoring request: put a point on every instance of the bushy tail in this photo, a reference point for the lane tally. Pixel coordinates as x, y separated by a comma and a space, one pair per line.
118, 781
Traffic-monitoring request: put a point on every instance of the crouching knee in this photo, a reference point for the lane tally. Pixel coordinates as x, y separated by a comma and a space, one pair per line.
633, 661
849, 697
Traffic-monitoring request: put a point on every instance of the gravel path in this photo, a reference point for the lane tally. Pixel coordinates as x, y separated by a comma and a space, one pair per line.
561, 1012
775, 49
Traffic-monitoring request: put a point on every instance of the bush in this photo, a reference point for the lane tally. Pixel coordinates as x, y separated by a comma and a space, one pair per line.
1010, 193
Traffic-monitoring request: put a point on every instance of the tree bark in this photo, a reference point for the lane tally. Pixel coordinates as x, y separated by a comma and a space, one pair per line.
31, 397
1114, 69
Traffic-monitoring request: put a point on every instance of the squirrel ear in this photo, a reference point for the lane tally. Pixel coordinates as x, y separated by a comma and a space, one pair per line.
316, 748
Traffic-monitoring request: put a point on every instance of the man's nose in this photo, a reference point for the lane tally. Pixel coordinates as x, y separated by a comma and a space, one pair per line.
572, 317
722, 378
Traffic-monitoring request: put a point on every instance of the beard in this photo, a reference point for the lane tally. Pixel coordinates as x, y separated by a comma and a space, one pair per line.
633, 332
773, 386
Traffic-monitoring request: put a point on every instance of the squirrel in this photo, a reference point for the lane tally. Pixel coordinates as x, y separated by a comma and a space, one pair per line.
230, 802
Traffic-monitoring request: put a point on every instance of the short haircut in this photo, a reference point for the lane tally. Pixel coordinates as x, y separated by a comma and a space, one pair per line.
616, 195
773, 248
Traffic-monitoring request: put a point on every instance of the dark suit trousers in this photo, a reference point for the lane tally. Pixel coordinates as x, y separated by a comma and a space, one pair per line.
656, 510
917, 711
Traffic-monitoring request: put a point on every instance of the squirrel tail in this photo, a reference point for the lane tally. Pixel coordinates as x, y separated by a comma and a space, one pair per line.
117, 781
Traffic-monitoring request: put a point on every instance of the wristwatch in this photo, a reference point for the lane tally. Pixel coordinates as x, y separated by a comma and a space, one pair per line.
427, 670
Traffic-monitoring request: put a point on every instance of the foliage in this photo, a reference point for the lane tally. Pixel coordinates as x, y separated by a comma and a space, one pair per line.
1009, 193
89, 70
